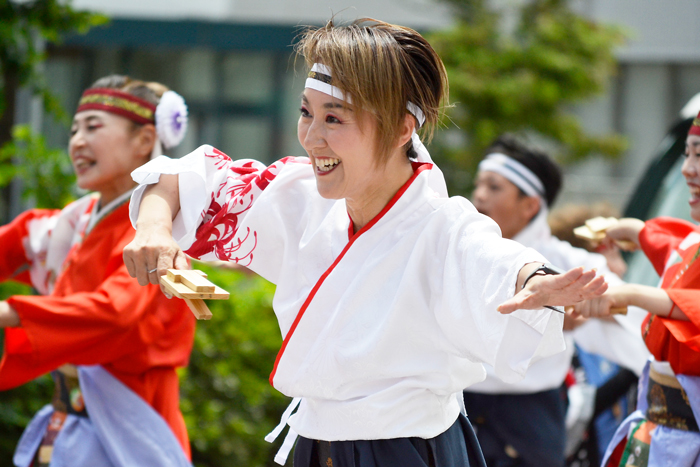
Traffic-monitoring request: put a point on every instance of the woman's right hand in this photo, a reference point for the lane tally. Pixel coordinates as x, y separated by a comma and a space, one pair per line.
151, 253
651, 299
153, 249
626, 230
600, 307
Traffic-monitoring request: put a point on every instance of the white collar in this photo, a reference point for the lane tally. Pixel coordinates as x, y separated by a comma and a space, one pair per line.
99, 211
537, 231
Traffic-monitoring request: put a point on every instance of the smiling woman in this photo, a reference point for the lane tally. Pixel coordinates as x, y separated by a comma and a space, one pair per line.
388, 292
112, 350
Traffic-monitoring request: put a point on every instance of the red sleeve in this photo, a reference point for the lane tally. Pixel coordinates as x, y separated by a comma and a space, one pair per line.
686, 332
88, 328
660, 237
14, 262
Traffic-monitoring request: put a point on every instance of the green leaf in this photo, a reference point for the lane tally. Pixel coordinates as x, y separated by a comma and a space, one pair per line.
46, 173
523, 81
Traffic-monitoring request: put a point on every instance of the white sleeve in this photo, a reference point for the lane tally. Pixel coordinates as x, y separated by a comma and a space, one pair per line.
36, 249
217, 195
620, 340
50, 238
480, 273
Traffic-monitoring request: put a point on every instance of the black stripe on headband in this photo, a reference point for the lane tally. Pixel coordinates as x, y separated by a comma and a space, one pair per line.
516, 169
320, 77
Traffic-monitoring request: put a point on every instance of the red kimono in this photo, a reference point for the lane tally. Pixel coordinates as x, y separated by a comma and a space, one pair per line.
673, 247
93, 311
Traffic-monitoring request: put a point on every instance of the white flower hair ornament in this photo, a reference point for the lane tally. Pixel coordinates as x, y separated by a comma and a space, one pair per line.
171, 119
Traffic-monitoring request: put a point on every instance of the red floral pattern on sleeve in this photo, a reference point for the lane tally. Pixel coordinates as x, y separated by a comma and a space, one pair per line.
219, 232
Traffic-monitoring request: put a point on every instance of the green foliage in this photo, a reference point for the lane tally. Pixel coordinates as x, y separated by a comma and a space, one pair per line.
228, 403
526, 79
25, 24
46, 173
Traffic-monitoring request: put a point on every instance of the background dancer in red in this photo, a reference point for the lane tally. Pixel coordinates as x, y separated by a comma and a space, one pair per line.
664, 429
112, 346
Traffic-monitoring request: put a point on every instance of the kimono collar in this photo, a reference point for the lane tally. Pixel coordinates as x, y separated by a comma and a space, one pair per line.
99, 212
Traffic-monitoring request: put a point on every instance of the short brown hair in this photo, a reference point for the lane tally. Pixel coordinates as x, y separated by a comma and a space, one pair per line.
383, 67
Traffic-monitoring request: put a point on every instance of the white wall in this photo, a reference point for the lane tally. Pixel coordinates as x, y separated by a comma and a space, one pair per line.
422, 14
659, 72
662, 30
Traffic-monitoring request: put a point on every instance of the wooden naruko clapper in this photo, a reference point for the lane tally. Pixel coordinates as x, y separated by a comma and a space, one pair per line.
594, 232
193, 287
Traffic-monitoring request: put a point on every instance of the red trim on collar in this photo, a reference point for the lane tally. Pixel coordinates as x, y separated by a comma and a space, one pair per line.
418, 167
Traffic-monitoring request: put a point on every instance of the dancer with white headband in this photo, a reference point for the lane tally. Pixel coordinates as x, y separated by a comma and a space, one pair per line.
388, 292
515, 186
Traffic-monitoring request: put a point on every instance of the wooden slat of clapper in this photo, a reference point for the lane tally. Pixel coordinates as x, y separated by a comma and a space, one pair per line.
195, 280
192, 286
594, 231
619, 310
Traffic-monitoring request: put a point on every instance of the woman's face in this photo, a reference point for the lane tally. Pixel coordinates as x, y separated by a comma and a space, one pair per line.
497, 197
342, 153
104, 148
691, 172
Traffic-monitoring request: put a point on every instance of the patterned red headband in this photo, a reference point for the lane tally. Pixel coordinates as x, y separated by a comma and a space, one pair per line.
118, 102
695, 127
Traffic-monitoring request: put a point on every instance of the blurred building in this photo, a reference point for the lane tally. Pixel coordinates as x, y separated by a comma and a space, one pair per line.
659, 71
232, 61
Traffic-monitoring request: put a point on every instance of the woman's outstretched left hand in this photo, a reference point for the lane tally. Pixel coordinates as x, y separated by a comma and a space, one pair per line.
564, 289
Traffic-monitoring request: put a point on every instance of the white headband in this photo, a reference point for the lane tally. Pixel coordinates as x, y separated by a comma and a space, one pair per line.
514, 171
320, 79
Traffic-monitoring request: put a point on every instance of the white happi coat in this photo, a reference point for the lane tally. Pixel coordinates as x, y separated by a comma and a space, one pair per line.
384, 328
620, 340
